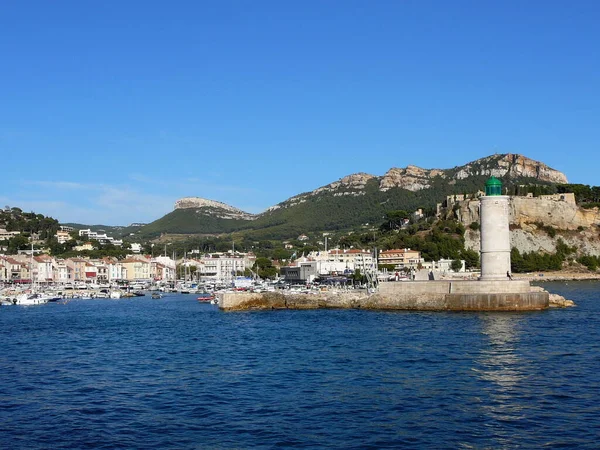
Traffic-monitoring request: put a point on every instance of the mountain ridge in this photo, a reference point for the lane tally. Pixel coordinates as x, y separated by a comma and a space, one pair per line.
352, 200
411, 178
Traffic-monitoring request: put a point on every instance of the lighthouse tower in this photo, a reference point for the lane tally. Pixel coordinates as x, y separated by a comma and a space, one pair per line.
495, 240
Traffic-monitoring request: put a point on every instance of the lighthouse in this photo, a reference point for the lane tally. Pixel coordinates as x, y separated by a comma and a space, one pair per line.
495, 238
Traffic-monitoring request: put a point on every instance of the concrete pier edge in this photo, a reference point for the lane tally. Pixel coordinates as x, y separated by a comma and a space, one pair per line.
461, 295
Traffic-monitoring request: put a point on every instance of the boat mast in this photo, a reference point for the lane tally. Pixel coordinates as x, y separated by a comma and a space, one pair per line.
31, 267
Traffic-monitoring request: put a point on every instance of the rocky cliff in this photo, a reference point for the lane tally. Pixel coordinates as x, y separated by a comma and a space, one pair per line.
413, 178
510, 166
528, 216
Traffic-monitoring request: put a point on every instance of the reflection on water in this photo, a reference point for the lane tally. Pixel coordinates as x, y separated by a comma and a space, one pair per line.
499, 362
500, 367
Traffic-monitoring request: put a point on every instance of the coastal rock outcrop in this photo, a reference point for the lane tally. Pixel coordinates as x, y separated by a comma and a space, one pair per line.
558, 301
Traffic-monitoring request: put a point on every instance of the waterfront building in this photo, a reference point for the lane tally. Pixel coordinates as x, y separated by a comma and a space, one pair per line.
136, 269
304, 272
115, 270
91, 272
63, 272
78, 266
337, 261
163, 268
400, 258
11, 269
333, 262
221, 267
101, 271
44, 269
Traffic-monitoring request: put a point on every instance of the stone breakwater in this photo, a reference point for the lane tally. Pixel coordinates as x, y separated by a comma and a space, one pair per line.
416, 296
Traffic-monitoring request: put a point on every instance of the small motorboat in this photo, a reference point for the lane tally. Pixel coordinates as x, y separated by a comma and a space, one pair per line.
206, 297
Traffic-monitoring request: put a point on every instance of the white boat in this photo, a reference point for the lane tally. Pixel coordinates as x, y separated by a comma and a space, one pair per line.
115, 294
32, 299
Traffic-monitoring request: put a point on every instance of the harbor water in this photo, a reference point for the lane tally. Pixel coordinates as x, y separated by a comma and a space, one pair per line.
174, 373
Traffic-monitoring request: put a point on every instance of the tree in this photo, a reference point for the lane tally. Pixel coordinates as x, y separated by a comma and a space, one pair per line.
456, 265
281, 254
16, 243
394, 219
264, 268
471, 258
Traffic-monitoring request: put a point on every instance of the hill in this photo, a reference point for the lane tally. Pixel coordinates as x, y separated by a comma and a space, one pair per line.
352, 201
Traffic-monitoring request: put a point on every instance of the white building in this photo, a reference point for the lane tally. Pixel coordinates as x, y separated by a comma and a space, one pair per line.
44, 268
341, 261
62, 236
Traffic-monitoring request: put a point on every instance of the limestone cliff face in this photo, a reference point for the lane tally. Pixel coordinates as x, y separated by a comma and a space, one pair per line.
527, 211
354, 181
216, 209
534, 240
512, 166
508, 165
576, 226
412, 178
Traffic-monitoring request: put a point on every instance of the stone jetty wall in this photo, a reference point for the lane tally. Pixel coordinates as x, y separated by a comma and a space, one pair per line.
422, 296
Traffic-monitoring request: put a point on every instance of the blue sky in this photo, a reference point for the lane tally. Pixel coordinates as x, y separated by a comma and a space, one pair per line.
110, 111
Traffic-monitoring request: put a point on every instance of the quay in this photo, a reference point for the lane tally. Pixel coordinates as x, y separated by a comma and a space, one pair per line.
514, 295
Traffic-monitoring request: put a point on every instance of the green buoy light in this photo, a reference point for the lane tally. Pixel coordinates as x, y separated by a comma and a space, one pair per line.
493, 186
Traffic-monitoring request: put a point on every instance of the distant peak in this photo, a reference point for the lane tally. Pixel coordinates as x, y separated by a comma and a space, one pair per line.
199, 202
217, 209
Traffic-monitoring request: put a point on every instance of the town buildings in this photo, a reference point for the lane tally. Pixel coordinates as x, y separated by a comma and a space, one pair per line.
219, 267
400, 258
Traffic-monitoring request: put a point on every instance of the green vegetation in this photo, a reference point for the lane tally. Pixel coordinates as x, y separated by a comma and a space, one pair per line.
264, 268
535, 261
584, 194
456, 265
591, 262
14, 219
29, 225
549, 229
192, 221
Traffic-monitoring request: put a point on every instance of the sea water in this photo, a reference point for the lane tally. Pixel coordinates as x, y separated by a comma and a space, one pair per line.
175, 373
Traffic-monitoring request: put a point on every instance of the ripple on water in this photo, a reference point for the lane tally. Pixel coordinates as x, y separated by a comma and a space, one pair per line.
179, 374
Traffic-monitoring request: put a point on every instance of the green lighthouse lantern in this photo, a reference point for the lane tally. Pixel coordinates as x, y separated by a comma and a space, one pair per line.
493, 186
